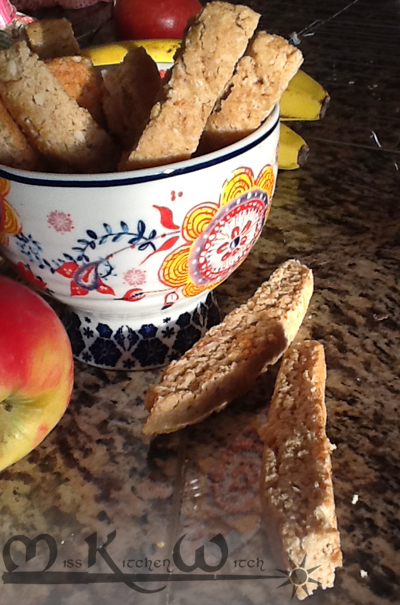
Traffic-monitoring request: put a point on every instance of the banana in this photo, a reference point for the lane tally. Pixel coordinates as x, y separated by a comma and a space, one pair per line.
161, 50
298, 105
304, 82
293, 150
304, 99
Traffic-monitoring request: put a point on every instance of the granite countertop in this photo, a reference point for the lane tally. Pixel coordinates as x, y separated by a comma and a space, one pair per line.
340, 214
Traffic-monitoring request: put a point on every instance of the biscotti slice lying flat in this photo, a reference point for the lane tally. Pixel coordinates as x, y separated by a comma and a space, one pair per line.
81, 81
52, 121
296, 488
50, 38
129, 93
213, 44
227, 360
259, 80
15, 150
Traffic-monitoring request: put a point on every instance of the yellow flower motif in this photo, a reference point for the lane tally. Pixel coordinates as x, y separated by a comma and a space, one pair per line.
4, 187
198, 220
9, 222
175, 267
219, 235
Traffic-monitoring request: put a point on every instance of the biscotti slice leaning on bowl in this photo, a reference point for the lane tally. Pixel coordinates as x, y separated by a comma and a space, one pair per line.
260, 78
81, 81
227, 360
296, 487
210, 50
52, 121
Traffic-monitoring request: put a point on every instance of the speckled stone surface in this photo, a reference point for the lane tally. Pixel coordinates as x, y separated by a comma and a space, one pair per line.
96, 472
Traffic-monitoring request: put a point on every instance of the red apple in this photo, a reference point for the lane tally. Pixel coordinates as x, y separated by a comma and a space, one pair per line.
143, 19
36, 370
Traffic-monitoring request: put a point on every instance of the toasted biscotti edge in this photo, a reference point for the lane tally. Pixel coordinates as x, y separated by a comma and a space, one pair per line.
296, 486
259, 80
51, 38
227, 360
252, 352
81, 81
15, 150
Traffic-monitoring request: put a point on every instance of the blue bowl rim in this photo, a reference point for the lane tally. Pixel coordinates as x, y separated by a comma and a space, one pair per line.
144, 175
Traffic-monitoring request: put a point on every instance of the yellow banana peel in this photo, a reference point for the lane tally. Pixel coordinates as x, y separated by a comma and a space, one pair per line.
293, 150
304, 99
304, 82
161, 50
298, 105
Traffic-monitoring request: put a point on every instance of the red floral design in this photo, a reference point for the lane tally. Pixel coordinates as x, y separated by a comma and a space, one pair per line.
84, 278
135, 277
60, 221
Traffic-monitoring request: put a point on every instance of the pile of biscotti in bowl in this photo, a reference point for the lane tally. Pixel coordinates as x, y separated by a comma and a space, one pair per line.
129, 196
58, 113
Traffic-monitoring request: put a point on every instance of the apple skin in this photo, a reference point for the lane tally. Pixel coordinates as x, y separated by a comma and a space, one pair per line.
36, 370
147, 19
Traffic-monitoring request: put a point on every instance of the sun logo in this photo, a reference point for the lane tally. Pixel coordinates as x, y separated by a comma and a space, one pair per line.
298, 576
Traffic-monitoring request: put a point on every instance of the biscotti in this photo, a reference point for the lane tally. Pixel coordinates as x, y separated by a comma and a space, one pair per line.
296, 488
52, 121
129, 92
213, 44
15, 150
81, 81
260, 78
50, 38
227, 360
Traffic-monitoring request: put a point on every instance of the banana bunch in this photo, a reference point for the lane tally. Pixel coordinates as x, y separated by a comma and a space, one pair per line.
304, 98
293, 150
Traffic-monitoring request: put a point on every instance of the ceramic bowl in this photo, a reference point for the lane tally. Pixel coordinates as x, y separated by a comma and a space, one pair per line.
134, 256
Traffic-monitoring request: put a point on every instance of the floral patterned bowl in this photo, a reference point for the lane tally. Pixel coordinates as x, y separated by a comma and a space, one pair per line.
134, 256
